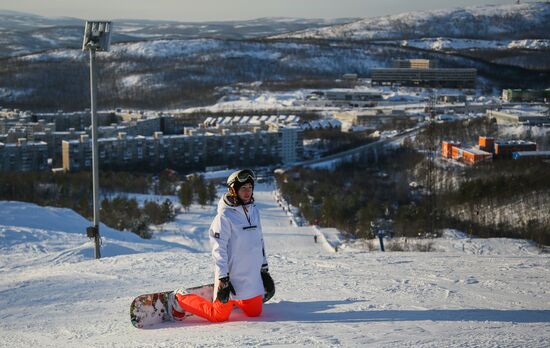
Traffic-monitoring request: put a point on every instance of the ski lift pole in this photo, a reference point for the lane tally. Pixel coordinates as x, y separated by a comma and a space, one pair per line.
95, 164
381, 238
97, 37
375, 225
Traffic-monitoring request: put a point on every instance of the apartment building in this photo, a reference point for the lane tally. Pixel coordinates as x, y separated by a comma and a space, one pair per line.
23, 156
54, 141
196, 149
291, 148
79, 120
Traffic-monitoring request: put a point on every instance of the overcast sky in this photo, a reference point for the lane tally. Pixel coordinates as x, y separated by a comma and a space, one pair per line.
206, 10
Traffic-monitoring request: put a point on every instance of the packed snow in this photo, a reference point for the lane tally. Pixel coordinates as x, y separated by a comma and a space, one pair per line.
469, 292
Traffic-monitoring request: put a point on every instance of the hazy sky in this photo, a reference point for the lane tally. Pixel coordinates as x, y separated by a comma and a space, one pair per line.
204, 10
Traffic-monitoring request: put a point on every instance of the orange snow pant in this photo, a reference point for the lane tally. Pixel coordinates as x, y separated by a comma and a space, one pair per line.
217, 311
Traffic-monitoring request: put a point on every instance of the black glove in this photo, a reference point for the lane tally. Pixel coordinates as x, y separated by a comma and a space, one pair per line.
224, 288
269, 285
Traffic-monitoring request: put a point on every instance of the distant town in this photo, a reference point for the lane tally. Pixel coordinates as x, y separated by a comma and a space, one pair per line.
413, 91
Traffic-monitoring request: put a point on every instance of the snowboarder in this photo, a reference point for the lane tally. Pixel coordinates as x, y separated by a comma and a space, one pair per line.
241, 269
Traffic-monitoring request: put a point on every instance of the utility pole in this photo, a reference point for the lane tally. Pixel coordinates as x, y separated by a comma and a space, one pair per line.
431, 147
97, 37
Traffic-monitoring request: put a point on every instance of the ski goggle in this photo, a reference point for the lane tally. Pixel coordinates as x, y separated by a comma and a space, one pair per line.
241, 176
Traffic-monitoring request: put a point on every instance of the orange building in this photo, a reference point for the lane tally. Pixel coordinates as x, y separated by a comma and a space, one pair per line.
487, 144
470, 155
447, 148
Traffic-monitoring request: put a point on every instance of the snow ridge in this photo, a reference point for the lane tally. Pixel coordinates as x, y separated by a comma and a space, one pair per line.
528, 20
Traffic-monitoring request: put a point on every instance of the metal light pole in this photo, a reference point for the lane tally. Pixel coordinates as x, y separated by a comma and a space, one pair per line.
97, 37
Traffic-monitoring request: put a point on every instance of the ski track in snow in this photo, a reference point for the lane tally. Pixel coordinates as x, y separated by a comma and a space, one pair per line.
54, 294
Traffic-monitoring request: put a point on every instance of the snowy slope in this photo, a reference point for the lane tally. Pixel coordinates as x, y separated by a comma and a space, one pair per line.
31, 235
350, 298
527, 20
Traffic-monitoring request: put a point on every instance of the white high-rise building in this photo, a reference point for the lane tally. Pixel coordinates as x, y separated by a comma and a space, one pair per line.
291, 143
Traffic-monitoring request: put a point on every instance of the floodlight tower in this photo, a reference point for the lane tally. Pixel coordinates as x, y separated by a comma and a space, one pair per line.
97, 37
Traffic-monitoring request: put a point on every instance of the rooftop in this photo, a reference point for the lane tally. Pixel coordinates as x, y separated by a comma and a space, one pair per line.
476, 151
514, 142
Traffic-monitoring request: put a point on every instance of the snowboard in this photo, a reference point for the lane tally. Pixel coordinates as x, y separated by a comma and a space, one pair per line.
152, 309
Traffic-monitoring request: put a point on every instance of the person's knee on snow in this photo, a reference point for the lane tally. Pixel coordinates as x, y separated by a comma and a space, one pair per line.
251, 307
254, 312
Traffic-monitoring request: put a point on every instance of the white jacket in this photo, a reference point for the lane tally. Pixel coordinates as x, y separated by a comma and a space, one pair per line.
238, 249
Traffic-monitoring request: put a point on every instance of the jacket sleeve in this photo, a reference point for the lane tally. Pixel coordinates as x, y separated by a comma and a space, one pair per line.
220, 232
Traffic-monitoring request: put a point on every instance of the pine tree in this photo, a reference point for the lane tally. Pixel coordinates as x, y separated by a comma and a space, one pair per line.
200, 188
212, 192
186, 195
167, 211
154, 212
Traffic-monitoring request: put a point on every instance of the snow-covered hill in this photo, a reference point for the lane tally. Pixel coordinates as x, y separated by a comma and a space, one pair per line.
24, 33
451, 44
353, 298
518, 21
165, 65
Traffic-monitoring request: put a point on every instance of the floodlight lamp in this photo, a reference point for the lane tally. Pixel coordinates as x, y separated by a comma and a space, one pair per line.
97, 36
